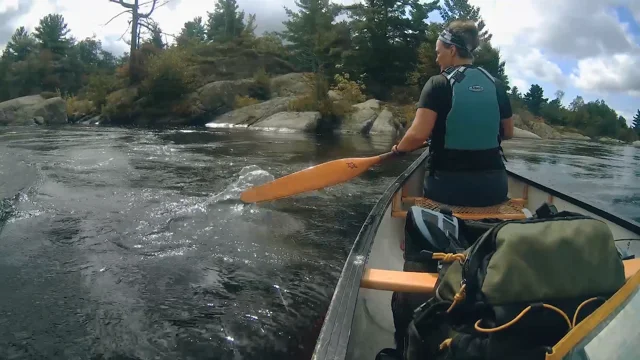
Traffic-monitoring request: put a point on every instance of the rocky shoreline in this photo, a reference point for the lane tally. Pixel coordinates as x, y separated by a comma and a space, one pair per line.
369, 117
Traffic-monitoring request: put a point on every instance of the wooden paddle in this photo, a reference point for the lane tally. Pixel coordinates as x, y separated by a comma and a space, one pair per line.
314, 178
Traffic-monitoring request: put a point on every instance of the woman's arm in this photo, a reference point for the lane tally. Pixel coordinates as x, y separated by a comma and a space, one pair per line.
426, 115
419, 131
506, 113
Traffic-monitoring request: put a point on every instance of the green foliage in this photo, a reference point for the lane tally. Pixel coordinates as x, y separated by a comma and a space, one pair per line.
262, 88
242, 101
193, 32
349, 90
225, 23
636, 122
386, 38
52, 34
534, 99
169, 76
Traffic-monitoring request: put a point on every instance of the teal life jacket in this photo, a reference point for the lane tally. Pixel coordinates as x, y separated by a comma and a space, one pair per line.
474, 120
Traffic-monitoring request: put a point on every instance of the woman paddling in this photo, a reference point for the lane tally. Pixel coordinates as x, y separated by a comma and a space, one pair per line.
466, 113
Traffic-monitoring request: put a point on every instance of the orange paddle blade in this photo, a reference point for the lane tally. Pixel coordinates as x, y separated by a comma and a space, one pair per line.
312, 178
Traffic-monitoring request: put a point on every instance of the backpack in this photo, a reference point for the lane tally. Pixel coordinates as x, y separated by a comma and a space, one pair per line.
426, 232
517, 290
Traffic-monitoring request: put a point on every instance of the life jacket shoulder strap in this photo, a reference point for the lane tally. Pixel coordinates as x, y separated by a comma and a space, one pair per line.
454, 74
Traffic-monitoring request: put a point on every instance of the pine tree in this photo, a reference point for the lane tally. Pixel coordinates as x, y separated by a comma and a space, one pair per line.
636, 122
52, 33
225, 23
193, 30
462, 10
534, 99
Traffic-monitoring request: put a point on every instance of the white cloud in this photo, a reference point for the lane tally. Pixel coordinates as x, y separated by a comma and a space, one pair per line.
619, 73
586, 32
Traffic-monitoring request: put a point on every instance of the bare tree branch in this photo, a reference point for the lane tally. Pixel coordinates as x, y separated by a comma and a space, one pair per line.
113, 18
153, 8
121, 2
126, 31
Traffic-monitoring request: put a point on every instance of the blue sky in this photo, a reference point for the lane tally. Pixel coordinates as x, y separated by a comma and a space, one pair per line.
583, 47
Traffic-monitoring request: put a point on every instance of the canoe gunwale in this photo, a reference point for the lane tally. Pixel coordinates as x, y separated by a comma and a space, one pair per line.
333, 340
619, 220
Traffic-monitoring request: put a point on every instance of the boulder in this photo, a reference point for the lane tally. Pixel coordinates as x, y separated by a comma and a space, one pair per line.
300, 121
363, 117
384, 123
219, 94
543, 130
636, 143
251, 114
574, 136
33, 109
524, 134
293, 84
607, 140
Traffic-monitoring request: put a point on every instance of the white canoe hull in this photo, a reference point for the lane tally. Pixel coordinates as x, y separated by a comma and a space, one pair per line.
359, 321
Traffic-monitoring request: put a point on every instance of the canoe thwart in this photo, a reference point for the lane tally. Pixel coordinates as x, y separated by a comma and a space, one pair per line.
512, 209
421, 282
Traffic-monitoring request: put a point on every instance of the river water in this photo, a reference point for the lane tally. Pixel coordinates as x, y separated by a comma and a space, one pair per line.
131, 244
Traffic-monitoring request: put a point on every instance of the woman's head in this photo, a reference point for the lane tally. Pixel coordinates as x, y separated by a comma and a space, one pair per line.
456, 43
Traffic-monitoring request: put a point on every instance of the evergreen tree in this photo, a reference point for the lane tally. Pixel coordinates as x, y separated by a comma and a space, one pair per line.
52, 33
21, 45
193, 30
534, 99
225, 23
636, 122
462, 10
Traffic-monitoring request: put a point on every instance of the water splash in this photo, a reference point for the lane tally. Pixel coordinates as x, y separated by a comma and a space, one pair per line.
248, 177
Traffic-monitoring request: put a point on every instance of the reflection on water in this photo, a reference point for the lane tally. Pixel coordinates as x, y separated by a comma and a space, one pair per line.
604, 175
132, 244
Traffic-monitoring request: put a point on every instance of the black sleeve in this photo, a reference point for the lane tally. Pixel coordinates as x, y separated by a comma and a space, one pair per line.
434, 94
503, 101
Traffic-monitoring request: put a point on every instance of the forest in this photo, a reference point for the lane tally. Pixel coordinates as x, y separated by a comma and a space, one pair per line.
373, 49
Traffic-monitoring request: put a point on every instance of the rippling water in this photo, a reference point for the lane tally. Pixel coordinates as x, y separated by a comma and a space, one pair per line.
132, 244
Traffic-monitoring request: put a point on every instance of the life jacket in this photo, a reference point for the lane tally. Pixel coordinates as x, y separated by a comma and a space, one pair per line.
473, 123
517, 290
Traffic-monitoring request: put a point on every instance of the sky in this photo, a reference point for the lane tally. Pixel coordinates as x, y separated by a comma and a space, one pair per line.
582, 47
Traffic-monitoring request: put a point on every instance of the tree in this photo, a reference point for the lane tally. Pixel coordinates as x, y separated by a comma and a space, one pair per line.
313, 38
386, 37
134, 24
52, 33
636, 122
576, 103
461, 10
21, 45
192, 31
225, 22
534, 99
489, 58
515, 93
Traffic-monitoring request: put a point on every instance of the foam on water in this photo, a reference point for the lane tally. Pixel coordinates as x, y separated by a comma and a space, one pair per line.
248, 177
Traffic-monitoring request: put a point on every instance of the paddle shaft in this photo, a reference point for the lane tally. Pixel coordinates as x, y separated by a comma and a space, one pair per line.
314, 178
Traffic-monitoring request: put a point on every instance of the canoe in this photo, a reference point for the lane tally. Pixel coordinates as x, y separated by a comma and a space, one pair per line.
359, 322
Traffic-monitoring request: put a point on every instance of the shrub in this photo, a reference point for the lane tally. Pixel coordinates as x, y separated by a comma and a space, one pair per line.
262, 88
78, 106
169, 76
242, 101
318, 100
49, 94
350, 91
99, 86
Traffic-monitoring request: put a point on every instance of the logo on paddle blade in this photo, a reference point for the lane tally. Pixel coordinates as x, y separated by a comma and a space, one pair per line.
352, 165
476, 88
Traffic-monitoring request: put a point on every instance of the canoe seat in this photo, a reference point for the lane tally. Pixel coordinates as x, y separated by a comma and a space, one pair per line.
420, 282
512, 209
